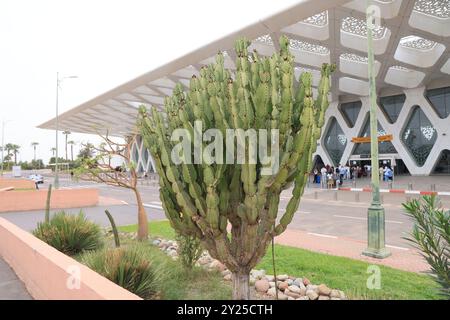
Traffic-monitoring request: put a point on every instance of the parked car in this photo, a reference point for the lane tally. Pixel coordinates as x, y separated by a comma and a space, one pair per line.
37, 178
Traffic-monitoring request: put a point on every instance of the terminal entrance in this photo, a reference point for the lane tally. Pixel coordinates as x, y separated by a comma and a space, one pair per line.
397, 165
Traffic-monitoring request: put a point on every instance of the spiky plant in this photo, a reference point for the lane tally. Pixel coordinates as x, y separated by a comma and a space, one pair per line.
431, 235
203, 199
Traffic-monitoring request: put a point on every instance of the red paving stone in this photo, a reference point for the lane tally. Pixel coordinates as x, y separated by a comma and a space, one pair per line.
407, 260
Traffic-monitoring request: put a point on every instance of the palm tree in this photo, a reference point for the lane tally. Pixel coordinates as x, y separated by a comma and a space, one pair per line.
15, 150
72, 143
66, 133
34, 145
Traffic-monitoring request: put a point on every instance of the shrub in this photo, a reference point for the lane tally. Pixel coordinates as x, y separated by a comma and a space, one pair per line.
129, 267
189, 250
431, 235
70, 234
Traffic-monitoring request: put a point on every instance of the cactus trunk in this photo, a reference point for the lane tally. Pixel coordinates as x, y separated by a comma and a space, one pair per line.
202, 197
241, 285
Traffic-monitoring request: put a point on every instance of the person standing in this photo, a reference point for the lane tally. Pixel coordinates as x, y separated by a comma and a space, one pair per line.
323, 179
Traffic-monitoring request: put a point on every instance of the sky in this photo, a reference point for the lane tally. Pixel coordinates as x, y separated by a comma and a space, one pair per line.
105, 44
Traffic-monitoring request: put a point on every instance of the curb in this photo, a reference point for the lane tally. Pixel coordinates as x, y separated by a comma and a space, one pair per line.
401, 191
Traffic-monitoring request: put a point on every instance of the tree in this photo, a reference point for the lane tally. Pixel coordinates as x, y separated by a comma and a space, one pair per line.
12, 149
34, 145
66, 133
100, 169
431, 235
53, 150
203, 196
87, 151
72, 143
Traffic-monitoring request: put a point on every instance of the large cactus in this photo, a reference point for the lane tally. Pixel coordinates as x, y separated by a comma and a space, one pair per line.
233, 208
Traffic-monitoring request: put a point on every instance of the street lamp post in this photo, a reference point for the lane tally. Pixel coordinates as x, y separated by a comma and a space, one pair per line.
375, 220
58, 84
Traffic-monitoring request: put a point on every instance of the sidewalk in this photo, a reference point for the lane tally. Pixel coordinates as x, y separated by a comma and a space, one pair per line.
11, 288
403, 259
425, 183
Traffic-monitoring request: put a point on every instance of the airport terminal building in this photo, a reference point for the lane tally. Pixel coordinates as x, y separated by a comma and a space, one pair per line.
412, 53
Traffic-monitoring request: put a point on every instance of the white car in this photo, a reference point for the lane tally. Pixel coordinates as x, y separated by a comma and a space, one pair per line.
37, 178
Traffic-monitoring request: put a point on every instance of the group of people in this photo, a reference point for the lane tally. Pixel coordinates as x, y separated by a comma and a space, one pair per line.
331, 177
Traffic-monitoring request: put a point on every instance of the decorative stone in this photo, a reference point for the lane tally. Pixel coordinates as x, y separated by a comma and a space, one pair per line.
324, 298
334, 294
282, 286
290, 298
216, 264
172, 253
291, 294
262, 285
335, 299
225, 272
294, 289
342, 295
156, 242
303, 291
282, 296
306, 281
324, 290
271, 292
270, 278
258, 274
313, 288
204, 260
312, 295
252, 280
227, 277
272, 284
303, 298
298, 282
282, 277
290, 281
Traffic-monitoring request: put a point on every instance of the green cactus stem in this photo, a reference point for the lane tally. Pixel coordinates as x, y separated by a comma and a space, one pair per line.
234, 208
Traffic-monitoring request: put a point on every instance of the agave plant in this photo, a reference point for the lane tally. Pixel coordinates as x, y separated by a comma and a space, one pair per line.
70, 234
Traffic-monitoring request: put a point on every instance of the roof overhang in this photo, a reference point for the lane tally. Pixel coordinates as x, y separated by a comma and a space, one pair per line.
411, 47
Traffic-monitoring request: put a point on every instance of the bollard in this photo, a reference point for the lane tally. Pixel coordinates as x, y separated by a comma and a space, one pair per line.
390, 185
356, 196
433, 187
410, 186
354, 183
316, 195
335, 196
382, 198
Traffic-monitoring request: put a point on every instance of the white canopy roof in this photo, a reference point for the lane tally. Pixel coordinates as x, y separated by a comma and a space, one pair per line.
411, 47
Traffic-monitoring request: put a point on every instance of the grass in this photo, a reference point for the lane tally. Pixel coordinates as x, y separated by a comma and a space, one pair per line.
157, 228
336, 272
349, 275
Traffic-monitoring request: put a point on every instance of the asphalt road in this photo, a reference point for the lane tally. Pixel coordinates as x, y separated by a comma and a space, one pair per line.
323, 217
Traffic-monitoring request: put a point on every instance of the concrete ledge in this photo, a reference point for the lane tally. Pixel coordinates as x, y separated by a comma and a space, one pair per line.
50, 274
36, 199
17, 183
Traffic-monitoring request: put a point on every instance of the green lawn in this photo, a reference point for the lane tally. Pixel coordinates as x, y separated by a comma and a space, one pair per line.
337, 272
